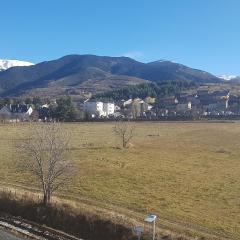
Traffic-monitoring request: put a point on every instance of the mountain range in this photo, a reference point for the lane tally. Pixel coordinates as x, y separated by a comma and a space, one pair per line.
76, 73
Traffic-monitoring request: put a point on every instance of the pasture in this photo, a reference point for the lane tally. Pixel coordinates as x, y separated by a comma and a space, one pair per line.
188, 173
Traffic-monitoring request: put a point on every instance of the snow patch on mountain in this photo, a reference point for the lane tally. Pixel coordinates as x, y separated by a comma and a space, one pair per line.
228, 77
165, 61
6, 64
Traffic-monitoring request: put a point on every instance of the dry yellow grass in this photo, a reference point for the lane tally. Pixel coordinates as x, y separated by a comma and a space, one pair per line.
187, 173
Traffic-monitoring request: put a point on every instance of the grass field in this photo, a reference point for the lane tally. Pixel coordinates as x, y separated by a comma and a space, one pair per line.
183, 172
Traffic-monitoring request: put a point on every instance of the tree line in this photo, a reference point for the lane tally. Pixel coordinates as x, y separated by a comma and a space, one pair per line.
157, 89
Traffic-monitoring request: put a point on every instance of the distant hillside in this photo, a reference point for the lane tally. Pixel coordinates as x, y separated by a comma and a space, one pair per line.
92, 73
165, 71
235, 80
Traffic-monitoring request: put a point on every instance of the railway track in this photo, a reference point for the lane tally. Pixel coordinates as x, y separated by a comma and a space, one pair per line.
32, 230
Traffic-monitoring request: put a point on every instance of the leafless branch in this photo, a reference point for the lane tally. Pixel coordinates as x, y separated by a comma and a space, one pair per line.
47, 157
125, 131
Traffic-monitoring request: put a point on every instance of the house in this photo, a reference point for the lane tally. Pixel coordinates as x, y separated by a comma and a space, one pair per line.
127, 102
150, 100
29, 111
45, 105
215, 101
44, 113
117, 108
167, 106
184, 107
168, 101
216, 105
184, 103
234, 104
16, 113
5, 114
202, 93
138, 108
221, 94
21, 112
108, 108
95, 109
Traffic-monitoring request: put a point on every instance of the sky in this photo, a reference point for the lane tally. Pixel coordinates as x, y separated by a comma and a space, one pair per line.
203, 34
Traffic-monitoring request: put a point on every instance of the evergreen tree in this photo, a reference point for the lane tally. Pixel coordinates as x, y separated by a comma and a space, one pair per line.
158, 89
65, 110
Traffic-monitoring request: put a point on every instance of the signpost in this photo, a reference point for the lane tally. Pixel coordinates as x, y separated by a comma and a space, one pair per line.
152, 219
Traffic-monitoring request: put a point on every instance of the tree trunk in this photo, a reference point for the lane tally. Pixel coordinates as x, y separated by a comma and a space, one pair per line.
46, 197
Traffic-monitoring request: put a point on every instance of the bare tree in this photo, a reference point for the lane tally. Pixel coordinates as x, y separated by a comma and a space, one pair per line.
46, 154
125, 131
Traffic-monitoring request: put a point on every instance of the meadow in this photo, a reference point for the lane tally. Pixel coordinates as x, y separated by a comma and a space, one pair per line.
186, 173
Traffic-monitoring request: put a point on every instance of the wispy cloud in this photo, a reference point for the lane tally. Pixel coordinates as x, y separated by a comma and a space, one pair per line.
134, 54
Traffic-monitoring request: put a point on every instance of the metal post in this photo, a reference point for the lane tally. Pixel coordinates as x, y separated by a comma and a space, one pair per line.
154, 229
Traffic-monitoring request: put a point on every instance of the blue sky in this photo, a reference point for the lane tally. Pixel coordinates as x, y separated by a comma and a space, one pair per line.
203, 34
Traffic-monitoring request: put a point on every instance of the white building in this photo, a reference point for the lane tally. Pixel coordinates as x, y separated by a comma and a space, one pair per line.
108, 108
98, 109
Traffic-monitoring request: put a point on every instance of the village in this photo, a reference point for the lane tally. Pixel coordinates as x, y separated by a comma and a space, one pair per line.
202, 103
